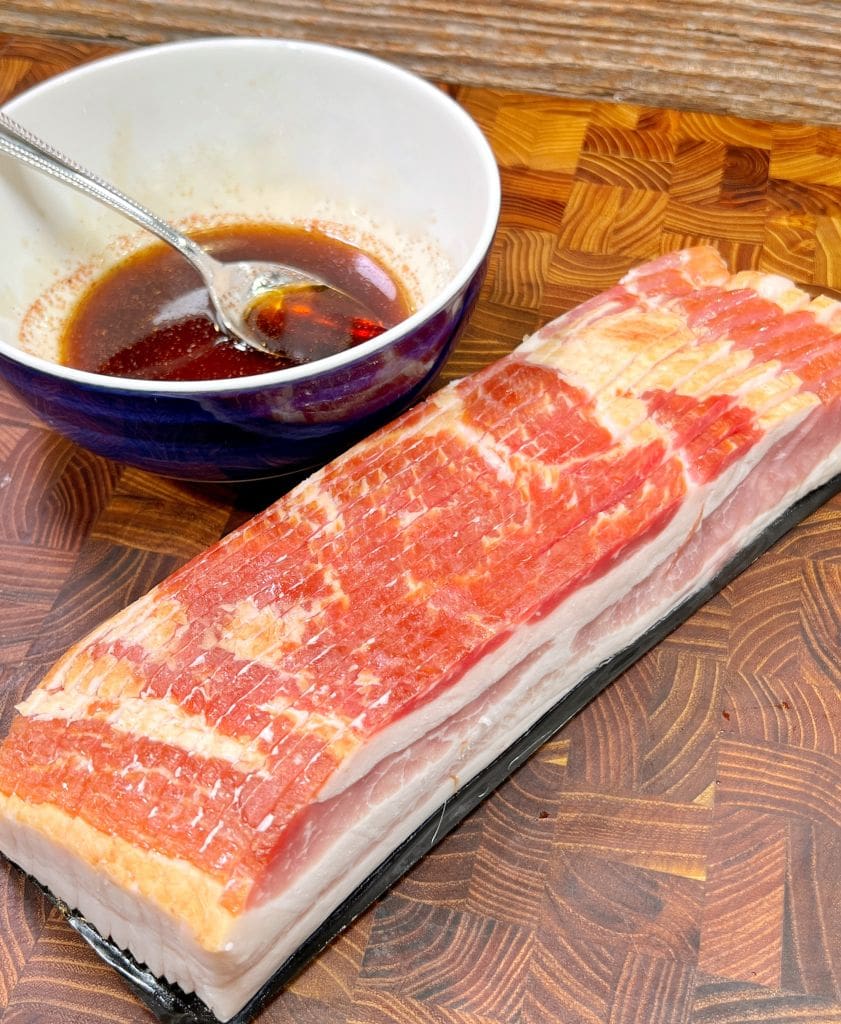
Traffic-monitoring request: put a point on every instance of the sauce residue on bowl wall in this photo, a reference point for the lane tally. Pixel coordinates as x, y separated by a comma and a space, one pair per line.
149, 316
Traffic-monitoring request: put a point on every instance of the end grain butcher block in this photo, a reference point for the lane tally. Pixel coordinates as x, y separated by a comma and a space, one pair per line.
214, 770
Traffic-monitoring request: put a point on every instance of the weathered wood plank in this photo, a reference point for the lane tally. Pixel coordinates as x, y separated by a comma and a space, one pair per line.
776, 59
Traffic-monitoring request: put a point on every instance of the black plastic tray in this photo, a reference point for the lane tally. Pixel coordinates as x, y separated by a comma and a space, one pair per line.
172, 1006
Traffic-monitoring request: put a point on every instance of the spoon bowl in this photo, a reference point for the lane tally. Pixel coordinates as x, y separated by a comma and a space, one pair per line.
237, 288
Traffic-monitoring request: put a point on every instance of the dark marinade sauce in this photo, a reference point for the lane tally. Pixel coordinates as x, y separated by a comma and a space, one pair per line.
149, 316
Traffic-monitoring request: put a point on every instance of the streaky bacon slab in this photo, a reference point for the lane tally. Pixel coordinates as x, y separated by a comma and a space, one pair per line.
213, 770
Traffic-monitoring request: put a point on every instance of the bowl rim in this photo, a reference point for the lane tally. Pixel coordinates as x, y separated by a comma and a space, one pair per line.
328, 364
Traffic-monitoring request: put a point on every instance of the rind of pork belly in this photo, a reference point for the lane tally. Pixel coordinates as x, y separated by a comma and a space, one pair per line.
771, 395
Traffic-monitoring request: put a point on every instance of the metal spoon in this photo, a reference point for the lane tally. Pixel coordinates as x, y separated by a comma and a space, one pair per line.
233, 287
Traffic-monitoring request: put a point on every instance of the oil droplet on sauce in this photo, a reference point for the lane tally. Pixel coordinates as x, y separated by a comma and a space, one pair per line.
149, 317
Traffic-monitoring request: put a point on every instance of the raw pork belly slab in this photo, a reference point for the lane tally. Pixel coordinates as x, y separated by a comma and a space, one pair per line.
209, 774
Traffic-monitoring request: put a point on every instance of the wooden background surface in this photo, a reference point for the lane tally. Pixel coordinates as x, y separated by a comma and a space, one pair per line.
672, 856
756, 58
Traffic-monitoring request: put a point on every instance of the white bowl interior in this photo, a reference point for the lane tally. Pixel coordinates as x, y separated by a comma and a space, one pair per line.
237, 129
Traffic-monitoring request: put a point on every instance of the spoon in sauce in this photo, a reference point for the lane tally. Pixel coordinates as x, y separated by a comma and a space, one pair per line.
234, 288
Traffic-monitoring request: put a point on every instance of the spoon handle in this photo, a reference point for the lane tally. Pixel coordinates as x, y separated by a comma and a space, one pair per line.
16, 141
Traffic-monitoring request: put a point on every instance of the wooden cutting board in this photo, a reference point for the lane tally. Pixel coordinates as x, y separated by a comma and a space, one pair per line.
672, 857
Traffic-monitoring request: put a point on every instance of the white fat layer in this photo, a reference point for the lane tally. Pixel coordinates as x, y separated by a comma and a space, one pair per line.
132, 921
442, 748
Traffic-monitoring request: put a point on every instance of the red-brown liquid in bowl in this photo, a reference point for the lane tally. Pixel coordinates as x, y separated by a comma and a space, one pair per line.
149, 317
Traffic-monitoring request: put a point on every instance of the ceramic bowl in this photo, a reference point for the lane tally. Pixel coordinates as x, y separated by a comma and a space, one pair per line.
219, 131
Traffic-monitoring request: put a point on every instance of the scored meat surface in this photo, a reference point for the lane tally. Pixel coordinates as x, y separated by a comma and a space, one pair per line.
213, 770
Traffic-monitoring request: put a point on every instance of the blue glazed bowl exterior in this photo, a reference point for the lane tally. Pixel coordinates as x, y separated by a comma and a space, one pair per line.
257, 431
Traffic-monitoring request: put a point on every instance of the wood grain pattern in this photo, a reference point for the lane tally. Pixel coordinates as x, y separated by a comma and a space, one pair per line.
671, 856
754, 58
